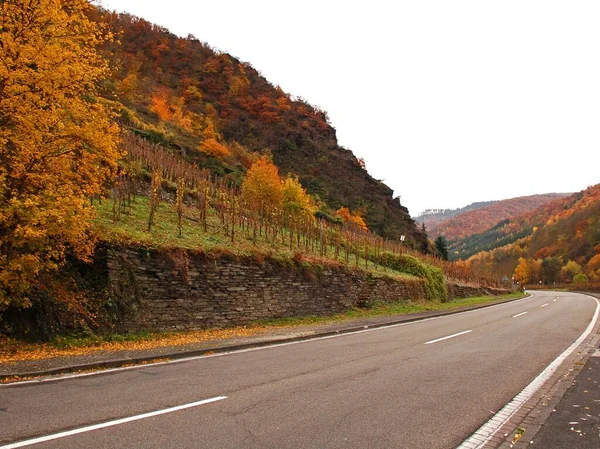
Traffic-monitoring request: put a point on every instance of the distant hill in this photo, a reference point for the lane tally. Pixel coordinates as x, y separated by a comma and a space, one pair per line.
561, 231
433, 217
221, 113
483, 218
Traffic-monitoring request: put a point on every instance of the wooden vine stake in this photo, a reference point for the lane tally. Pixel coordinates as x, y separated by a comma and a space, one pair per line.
154, 196
179, 203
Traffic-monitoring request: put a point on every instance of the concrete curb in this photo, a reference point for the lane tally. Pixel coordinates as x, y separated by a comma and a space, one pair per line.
119, 363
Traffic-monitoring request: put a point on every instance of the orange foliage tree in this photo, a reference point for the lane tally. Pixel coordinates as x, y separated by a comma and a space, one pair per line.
353, 219
210, 145
262, 189
594, 263
160, 105
58, 140
521, 272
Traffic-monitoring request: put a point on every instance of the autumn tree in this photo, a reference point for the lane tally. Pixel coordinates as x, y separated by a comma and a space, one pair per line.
571, 269
534, 270
159, 103
262, 189
210, 145
521, 273
296, 202
353, 219
594, 263
58, 141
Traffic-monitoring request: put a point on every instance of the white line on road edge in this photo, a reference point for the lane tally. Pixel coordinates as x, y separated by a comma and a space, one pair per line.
544, 305
486, 432
519, 314
443, 338
240, 351
116, 422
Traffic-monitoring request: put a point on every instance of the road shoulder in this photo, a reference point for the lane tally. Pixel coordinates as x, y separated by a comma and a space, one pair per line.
543, 421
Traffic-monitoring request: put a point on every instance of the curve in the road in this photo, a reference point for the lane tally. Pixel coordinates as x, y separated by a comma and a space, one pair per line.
486, 432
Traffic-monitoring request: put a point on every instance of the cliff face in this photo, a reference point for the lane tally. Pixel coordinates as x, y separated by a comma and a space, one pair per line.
172, 90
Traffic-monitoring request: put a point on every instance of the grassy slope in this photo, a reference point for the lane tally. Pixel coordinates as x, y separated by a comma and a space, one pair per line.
132, 228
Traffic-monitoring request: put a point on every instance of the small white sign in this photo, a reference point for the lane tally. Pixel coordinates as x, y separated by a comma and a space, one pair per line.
401, 238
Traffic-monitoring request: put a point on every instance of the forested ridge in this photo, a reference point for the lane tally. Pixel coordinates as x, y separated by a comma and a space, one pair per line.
480, 219
559, 241
222, 114
433, 217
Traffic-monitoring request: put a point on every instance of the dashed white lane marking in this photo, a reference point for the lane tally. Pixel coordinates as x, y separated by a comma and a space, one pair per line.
443, 338
544, 305
116, 422
486, 432
519, 314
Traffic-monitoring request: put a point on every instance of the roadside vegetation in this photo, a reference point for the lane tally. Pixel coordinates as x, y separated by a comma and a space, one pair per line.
13, 350
165, 156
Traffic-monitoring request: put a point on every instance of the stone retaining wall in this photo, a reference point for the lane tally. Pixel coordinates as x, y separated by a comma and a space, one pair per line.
165, 290
180, 290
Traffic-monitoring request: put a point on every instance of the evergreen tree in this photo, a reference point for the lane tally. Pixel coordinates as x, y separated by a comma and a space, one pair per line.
425, 243
442, 246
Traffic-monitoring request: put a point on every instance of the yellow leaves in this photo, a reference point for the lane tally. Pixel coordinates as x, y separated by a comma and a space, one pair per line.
213, 148
262, 188
296, 202
210, 144
59, 143
521, 272
12, 350
352, 219
238, 85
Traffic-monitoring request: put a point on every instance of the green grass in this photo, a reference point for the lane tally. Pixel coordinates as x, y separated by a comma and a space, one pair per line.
400, 308
73, 341
133, 224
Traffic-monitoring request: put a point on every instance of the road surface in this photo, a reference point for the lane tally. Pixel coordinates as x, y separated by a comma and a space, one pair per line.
427, 384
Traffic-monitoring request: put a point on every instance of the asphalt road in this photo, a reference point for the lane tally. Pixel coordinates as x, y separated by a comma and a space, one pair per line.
406, 386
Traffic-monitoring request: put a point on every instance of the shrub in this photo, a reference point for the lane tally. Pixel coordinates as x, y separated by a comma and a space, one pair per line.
580, 278
435, 285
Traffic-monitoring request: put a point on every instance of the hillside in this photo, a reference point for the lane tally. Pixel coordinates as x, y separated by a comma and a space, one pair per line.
433, 217
482, 219
566, 230
190, 168
221, 114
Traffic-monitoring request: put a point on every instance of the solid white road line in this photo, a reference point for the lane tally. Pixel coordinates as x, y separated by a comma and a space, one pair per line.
519, 314
116, 422
486, 432
443, 338
544, 305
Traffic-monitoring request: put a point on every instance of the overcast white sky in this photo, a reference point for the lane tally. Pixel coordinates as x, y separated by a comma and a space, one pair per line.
449, 102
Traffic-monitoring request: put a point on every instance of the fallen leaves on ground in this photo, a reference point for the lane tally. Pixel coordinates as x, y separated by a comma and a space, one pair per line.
12, 351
